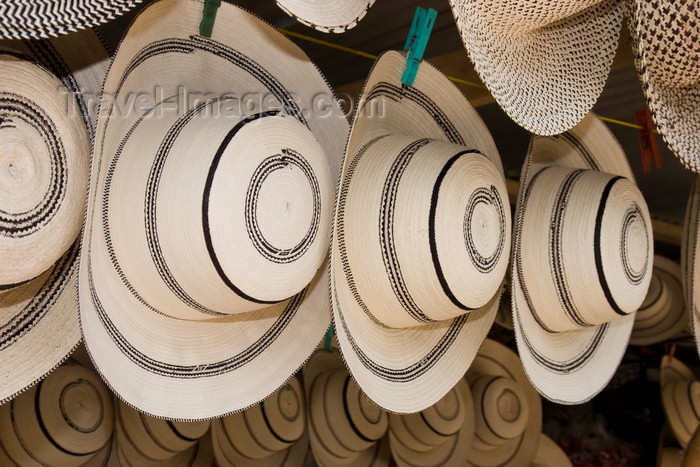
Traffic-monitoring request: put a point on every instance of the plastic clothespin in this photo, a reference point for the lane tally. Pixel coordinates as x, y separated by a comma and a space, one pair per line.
416, 41
329, 337
206, 26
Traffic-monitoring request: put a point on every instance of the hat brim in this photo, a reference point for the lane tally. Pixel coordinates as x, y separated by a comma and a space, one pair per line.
673, 370
327, 15
408, 370
182, 369
568, 367
689, 262
530, 73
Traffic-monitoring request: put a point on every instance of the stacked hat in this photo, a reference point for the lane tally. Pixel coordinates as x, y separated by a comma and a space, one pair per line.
421, 237
345, 427
666, 45
327, 15
45, 135
65, 420
544, 61
662, 314
549, 454
508, 410
271, 433
680, 397
690, 263
582, 260
202, 286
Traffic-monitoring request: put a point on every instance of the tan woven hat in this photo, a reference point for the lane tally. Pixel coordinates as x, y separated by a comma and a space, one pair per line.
545, 61
63, 421
583, 249
440, 435
44, 154
666, 44
508, 410
108, 456
690, 263
204, 217
272, 433
421, 237
674, 370
549, 454
662, 314
681, 403
327, 15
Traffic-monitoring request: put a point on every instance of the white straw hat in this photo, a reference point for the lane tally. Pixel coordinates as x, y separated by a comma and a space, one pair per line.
39, 316
440, 435
327, 15
549, 454
666, 45
64, 420
508, 410
421, 237
545, 61
690, 263
34, 19
663, 314
204, 217
583, 249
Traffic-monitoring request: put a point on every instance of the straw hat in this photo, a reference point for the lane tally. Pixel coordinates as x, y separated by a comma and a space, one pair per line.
668, 452
549, 454
421, 237
662, 314
544, 61
64, 420
327, 15
39, 317
108, 456
344, 426
690, 264
35, 19
504, 315
681, 402
440, 435
665, 42
204, 217
673, 370
272, 433
580, 274
508, 410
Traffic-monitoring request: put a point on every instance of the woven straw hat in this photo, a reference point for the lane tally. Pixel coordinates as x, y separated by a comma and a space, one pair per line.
272, 433
39, 317
108, 456
421, 238
504, 315
327, 15
544, 61
681, 402
508, 410
205, 218
580, 274
673, 370
666, 45
440, 435
63, 421
35, 19
690, 263
549, 454
662, 314
345, 427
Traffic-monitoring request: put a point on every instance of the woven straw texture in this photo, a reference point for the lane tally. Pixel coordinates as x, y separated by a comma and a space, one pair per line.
690, 263
327, 15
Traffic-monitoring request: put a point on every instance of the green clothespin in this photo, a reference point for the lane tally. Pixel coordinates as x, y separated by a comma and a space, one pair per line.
206, 26
416, 41
329, 337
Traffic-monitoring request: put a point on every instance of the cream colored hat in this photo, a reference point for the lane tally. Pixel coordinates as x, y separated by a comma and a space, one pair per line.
327, 15
44, 156
208, 218
666, 45
63, 421
583, 249
674, 370
681, 402
690, 263
421, 237
545, 61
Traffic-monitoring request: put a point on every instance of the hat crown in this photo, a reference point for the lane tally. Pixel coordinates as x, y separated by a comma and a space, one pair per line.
502, 410
591, 233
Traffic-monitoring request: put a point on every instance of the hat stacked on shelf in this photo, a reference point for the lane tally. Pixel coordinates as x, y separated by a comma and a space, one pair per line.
680, 397
327, 15
227, 202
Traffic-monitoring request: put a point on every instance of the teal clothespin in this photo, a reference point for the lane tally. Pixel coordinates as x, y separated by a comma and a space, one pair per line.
329, 337
416, 41
206, 26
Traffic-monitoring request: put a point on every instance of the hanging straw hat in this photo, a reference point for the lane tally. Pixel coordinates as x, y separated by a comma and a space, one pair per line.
508, 410
690, 263
64, 420
666, 45
39, 316
504, 315
440, 435
662, 314
327, 15
35, 19
681, 403
271, 433
344, 426
206, 215
583, 249
673, 370
544, 61
421, 237
549, 454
